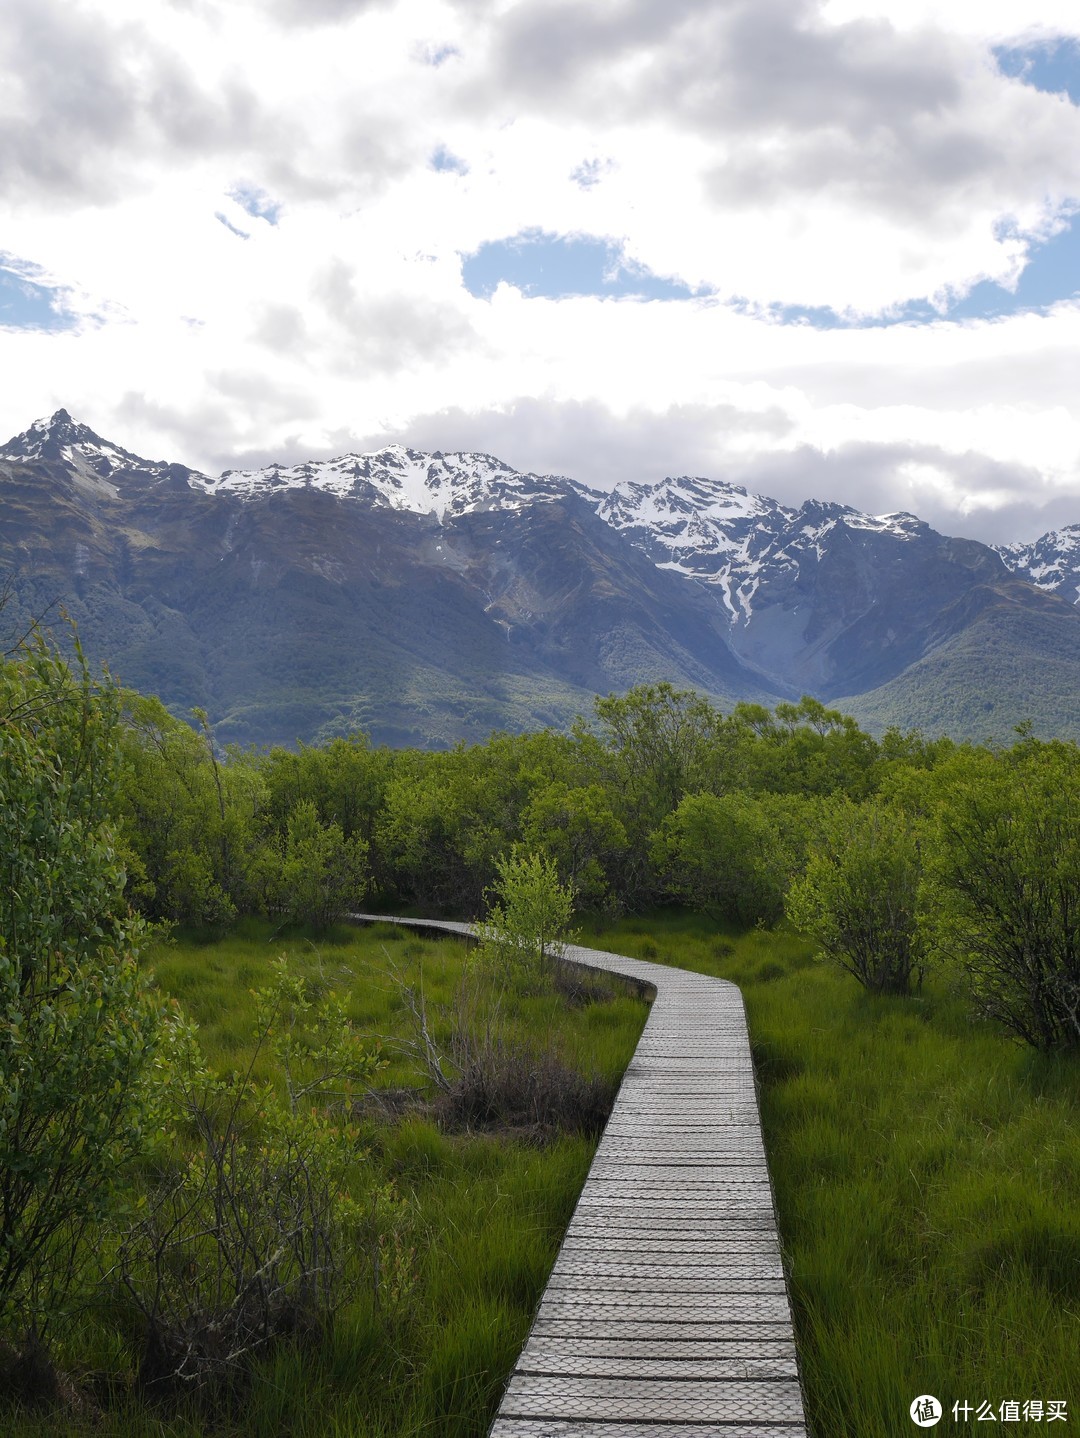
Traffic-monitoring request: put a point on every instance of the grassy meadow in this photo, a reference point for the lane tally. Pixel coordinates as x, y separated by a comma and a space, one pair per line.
926, 1172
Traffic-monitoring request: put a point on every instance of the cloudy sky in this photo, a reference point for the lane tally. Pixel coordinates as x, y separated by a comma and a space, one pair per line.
816, 247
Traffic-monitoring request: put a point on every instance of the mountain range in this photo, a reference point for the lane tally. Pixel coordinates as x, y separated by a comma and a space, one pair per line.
429, 597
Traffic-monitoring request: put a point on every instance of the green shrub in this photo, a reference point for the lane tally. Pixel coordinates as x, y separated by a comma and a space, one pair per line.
78, 1087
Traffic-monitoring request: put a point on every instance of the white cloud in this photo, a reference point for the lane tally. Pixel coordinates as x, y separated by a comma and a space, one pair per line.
998, 20
855, 156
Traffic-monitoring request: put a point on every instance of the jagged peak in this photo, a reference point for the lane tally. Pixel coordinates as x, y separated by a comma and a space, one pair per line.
443, 484
56, 428
50, 422
60, 439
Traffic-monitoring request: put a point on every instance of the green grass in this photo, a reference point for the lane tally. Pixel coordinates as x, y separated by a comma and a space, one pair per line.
483, 1212
927, 1180
926, 1172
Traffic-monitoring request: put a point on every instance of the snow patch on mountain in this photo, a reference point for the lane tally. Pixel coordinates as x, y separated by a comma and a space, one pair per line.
1051, 562
443, 485
706, 529
91, 459
719, 534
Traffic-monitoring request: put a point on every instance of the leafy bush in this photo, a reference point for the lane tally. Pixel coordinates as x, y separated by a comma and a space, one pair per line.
1004, 890
729, 855
859, 894
247, 1237
529, 915
323, 873
78, 1088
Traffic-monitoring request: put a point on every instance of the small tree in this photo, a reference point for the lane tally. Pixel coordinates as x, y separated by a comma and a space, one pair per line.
77, 1028
322, 872
858, 895
530, 913
251, 1235
484, 1070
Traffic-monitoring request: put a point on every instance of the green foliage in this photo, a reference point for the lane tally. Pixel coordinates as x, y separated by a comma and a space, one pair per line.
805, 748
577, 828
247, 1237
315, 1046
429, 837
858, 895
530, 914
1004, 891
655, 746
323, 874
345, 779
191, 824
77, 1027
658, 737
730, 855
661, 797
210, 836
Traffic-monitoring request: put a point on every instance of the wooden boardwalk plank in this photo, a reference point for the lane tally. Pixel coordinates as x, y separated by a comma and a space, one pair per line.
568, 1428
667, 1311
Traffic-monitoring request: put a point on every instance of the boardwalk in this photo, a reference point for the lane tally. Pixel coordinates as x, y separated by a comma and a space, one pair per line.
666, 1312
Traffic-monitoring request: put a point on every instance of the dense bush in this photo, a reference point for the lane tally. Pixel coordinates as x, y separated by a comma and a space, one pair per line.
659, 798
1003, 903
859, 895
78, 1029
247, 1234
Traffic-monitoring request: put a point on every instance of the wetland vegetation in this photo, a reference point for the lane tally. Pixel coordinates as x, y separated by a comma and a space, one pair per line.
262, 1171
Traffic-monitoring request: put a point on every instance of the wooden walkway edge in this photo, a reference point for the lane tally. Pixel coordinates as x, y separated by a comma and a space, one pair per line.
667, 1311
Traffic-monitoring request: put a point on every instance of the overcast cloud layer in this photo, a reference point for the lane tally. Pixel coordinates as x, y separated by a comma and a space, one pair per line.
250, 219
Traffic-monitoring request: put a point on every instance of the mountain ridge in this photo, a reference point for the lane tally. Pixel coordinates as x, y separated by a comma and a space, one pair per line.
552, 585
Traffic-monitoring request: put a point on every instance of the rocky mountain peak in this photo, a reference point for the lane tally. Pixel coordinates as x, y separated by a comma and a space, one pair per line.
458, 570
1051, 562
445, 485
59, 439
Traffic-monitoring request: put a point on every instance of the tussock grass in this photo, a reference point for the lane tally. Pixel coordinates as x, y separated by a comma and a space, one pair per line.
927, 1180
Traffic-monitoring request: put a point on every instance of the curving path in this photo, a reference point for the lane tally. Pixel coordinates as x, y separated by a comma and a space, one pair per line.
666, 1312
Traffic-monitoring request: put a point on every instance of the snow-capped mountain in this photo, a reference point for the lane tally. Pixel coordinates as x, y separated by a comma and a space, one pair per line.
1052, 562
58, 439
430, 596
445, 485
719, 534
708, 530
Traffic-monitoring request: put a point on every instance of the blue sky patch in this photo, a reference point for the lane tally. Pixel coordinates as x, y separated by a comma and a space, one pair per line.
222, 219
444, 159
438, 54
1052, 273
549, 266
589, 173
26, 305
1053, 66
257, 202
